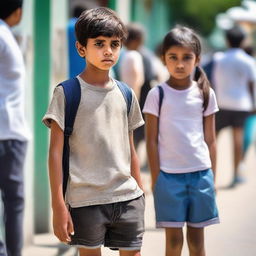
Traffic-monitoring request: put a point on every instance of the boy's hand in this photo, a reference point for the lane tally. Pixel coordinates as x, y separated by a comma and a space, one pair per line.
62, 224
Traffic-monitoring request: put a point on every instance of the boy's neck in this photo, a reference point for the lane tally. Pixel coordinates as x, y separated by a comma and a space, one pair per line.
100, 79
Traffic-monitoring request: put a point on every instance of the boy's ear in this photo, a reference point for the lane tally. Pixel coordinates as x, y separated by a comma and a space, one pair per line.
80, 49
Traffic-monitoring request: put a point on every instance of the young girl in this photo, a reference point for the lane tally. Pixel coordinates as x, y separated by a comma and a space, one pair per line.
180, 136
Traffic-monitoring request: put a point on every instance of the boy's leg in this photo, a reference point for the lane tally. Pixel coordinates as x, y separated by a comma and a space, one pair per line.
89, 252
129, 253
174, 241
195, 239
127, 228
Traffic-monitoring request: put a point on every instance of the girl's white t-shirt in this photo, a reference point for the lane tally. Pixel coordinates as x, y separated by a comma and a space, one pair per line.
181, 143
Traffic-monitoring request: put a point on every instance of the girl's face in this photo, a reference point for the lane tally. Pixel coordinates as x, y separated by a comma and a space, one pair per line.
180, 61
100, 52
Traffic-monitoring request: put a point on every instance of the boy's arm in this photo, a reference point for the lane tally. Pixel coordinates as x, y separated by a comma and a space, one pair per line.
62, 223
151, 128
135, 165
210, 139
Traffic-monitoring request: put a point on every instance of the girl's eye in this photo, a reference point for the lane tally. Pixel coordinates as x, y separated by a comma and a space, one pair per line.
188, 57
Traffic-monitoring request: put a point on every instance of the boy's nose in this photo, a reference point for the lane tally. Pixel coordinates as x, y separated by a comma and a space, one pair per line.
108, 52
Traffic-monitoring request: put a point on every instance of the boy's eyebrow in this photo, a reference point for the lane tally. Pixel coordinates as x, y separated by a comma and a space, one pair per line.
99, 40
104, 40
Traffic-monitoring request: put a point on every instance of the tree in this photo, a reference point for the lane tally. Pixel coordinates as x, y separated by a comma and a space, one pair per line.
199, 14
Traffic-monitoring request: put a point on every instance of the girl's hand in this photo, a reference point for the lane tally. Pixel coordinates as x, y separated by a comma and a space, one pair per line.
62, 224
153, 183
154, 180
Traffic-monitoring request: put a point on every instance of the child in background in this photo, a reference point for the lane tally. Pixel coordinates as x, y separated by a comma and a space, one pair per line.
104, 202
181, 145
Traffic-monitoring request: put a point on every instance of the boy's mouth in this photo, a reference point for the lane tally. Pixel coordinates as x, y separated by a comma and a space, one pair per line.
108, 60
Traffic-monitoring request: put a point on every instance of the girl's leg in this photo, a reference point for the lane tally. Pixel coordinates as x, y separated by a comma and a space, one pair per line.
129, 253
174, 241
195, 239
89, 252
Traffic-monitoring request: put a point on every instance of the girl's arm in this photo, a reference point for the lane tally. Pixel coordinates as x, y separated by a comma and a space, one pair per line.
62, 223
210, 139
135, 165
151, 128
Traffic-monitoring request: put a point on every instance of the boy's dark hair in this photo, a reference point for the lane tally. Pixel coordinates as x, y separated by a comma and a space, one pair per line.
135, 32
235, 36
186, 37
7, 7
100, 21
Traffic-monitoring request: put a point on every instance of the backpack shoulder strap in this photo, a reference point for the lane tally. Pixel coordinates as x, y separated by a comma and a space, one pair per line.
161, 96
127, 93
72, 92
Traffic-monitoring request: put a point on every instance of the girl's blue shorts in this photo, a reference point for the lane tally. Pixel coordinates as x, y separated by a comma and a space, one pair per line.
185, 197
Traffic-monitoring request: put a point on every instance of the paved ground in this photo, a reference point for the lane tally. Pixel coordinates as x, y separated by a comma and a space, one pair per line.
235, 236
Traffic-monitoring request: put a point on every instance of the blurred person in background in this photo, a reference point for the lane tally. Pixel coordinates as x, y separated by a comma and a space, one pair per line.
131, 62
138, 69
75, 63
234, 76
13, 129
132, 67
250, 123
161, 71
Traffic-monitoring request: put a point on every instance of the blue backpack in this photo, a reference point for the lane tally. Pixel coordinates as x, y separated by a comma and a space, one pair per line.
72, 92
161, 97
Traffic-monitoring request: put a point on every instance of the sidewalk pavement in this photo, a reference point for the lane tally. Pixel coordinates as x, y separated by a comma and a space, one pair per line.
235, 236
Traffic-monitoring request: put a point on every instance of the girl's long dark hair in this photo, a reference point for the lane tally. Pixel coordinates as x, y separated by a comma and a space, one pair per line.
186, 37
203, 84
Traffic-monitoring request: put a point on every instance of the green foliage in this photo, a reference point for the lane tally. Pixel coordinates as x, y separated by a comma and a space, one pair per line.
199, 14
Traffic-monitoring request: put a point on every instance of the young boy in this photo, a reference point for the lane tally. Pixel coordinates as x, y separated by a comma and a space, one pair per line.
104, 194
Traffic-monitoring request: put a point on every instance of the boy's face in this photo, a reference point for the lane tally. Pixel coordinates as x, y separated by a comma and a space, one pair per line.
101, 52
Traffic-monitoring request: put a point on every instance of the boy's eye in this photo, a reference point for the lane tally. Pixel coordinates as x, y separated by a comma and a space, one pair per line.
98, 44
115, 44
172, 57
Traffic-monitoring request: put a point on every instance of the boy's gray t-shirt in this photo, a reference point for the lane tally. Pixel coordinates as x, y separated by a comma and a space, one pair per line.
99, 146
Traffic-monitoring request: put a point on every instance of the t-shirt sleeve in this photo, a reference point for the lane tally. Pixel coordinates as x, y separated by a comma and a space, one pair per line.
135, 119
56, 109
212, 105
151, 105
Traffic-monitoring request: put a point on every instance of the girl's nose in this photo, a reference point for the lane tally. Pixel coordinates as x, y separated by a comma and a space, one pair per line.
180, 64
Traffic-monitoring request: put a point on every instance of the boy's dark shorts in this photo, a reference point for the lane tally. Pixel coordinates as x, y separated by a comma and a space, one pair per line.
116, 225
225, 118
